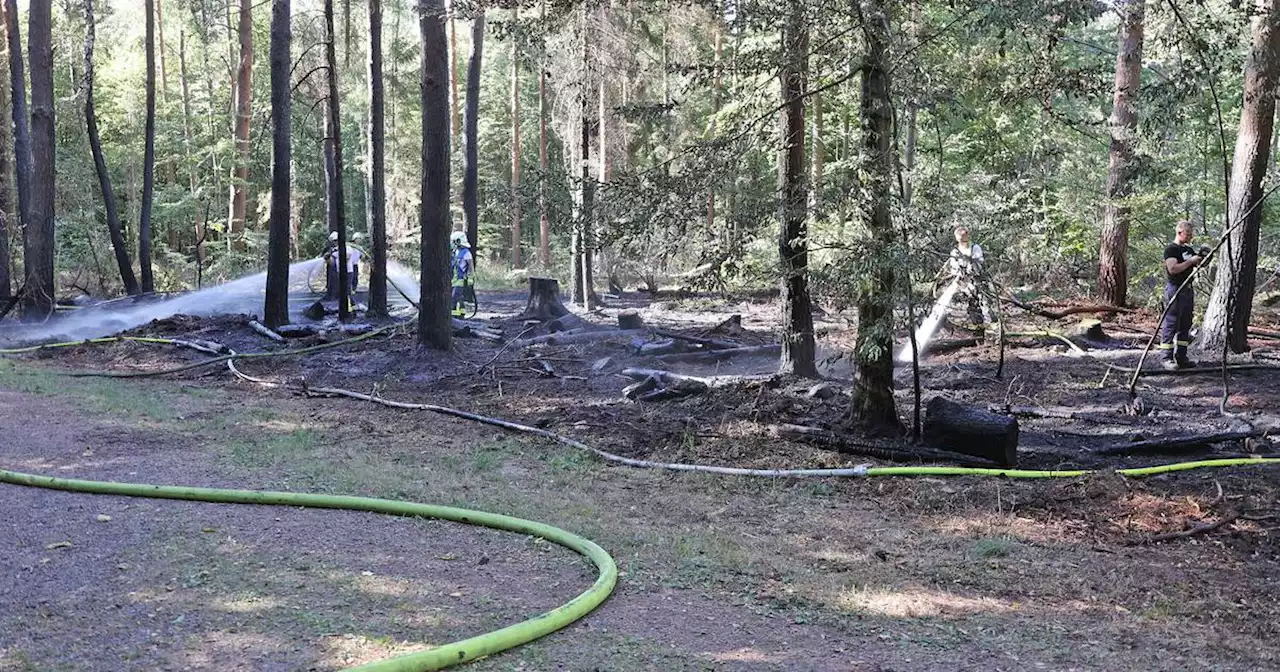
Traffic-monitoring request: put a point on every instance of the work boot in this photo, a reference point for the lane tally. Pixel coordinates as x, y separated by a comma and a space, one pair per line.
1170, 364
1184, 363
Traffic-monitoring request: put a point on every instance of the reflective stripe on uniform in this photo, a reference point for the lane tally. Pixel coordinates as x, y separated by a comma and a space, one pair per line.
1164, 346
1182, 344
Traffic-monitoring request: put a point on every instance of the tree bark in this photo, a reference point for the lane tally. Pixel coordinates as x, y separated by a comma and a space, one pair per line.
199, 233
544, 225
586, 210
275, 311
114, 229
470, 178
873, 406
972, 431
515, 139
148, 155
338, 209
7, 221
456, 116
38, 241
377, 166
1113, 270
243, 114
21, 122
435, 328
797, 316
164, 76
1230, 307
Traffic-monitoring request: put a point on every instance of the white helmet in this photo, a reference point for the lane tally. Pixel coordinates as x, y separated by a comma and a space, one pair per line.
459, 239
333, 236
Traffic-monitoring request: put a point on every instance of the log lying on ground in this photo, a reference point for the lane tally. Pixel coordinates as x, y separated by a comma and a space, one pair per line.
710, 343
972, 431
671, 378
1176, 445
544, 304
262, 329
882, 449
1090, 414
721, 355
584, 335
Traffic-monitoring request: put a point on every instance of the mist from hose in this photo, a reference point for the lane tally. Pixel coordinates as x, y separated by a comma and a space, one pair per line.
926, 329
241, 296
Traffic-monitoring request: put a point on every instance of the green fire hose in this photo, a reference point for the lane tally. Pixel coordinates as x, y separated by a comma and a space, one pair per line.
432, 659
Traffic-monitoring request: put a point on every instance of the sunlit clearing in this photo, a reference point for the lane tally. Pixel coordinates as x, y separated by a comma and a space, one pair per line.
916, 603
348, 650
247, 605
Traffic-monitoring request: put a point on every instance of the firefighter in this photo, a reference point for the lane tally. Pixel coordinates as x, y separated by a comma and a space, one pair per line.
1180, 260
461, 268
966, 265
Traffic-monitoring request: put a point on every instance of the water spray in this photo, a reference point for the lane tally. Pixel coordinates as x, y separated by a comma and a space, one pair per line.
930, 324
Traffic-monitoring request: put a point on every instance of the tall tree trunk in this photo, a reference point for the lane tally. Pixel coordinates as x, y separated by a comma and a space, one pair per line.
434, 323
1113, 265
99, 161
470, 178
187, 142
275, 310
377, 166
164, 75
7, 218
21, 123
38, 242
338, 208
515, 139
585, 281
873, 406
148, 155
243, 114
717, 40
818, 161
544, 224
1230, 307
793, 247
454, 102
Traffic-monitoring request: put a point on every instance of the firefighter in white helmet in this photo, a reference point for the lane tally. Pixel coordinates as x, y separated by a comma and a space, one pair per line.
461, 268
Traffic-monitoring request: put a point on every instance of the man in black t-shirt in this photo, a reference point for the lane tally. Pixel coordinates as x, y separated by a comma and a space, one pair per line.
1180, 259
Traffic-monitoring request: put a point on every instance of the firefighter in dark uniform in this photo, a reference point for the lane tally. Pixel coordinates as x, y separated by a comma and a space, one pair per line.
1180, 259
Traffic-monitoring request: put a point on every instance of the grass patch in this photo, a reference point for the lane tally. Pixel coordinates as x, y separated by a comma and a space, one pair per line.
133, 399
992, 547
274, 449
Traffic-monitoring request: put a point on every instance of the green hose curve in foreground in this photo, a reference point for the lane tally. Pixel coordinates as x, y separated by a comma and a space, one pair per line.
433, 659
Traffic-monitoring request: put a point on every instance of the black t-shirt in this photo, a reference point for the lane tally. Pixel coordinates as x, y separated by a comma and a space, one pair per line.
1179, 253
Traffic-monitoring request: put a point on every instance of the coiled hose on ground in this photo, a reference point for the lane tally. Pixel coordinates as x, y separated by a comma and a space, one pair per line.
431, 659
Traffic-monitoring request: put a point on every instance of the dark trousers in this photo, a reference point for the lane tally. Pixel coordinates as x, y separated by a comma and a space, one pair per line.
1175, 332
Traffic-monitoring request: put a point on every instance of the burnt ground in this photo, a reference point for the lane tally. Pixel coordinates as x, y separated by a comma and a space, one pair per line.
719, 573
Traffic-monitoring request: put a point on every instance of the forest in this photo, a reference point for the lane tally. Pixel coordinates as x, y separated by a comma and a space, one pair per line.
681, 275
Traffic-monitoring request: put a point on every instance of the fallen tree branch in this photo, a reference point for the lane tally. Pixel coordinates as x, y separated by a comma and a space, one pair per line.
721, 355
672, 378
1067, 312
880, 449
1203, 528
712, 343
570, 338
1176, 444
265, 331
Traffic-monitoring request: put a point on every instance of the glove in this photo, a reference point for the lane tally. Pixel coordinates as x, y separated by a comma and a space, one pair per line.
1203, 251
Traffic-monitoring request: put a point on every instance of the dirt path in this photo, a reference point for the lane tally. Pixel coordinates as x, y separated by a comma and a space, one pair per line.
97, 582
717, 573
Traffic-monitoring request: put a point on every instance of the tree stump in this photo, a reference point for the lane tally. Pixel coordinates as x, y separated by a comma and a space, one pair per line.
544, 304
972, 431
630, 320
